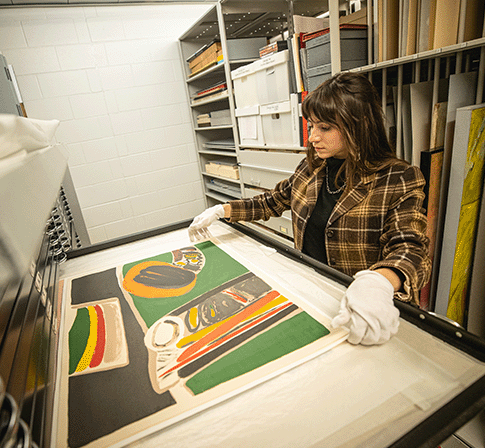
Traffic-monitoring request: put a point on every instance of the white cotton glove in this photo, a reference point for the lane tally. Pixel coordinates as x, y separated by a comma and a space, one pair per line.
198, 228
368, 310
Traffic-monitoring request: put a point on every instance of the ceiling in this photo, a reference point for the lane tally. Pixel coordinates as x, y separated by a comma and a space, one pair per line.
247, 18
243, 18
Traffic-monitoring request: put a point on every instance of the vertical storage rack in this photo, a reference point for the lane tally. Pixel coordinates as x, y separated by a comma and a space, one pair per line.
436, 69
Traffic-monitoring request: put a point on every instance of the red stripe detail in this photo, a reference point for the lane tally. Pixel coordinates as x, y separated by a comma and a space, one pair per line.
226, 338
235, 296
101, 341
227, 326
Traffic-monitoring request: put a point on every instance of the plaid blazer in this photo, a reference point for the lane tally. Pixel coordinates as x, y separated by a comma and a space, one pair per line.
378, 223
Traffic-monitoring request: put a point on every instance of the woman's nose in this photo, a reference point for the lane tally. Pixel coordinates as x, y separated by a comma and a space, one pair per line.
313, 135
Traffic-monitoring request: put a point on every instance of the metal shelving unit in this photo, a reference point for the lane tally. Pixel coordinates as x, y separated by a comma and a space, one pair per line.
228, 20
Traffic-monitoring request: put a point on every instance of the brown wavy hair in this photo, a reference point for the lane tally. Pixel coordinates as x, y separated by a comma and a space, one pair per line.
349, 102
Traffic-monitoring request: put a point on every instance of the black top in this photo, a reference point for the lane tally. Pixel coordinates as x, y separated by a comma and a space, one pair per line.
314, 238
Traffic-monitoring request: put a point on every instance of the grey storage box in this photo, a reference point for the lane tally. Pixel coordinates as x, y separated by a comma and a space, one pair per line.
316, 75
220, 117
247, 48
353, 47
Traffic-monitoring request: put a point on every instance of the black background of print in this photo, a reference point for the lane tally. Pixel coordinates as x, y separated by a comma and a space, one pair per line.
103, 402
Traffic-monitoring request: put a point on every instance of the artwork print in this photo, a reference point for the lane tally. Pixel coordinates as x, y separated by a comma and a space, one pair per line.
469, 214
156, 339
431, 166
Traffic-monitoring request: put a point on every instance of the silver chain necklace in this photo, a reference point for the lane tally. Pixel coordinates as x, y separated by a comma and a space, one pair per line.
328, 186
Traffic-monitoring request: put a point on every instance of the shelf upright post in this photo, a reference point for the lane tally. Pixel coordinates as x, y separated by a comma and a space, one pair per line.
384, 93
399, 149
417, 71
374, 8
334, 36
370, 36
290, 21
227, 73
481, 70
227, 67
384, 37
458, 64
481, 77
436, 82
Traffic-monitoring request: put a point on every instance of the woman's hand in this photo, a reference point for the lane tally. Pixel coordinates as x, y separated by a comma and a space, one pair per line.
198, 228
368, 310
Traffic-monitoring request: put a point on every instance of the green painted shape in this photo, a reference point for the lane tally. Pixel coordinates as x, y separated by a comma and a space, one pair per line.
78, 338
284, 338
219, 268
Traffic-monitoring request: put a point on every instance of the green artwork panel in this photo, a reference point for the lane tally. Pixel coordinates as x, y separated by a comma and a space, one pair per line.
219, 268
286, 337
78, 338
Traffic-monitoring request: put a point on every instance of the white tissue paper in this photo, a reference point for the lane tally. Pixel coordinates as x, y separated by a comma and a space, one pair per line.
24, 134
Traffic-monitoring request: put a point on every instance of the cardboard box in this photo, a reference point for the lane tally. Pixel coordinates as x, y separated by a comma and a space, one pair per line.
238, 49
205, 63
358, 17
222, 169
205, 54
203, 120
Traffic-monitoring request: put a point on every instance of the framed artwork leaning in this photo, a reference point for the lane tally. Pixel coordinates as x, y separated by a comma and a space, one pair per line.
151, 342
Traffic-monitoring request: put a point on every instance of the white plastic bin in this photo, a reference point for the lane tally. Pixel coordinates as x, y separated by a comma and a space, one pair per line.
278, 125
263, 81
272, 78
245, 88
250, 126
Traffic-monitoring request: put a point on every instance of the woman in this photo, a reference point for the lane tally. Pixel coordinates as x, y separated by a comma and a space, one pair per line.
354, 206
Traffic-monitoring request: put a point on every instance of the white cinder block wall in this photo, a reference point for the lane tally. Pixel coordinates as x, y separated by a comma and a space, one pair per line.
112, 75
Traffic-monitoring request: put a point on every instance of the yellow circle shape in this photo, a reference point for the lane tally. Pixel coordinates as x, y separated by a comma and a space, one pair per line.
156, 279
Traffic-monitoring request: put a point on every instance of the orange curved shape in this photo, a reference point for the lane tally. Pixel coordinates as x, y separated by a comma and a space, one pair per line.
156, 279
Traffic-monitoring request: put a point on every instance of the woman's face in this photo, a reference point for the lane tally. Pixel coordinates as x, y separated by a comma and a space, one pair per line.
327, 140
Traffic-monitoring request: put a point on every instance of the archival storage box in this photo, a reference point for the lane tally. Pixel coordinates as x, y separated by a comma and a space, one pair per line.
212, 53
353, 47
263, 81
222, 169
250, 125
278, 125
316, 75
245, 87
245, 48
